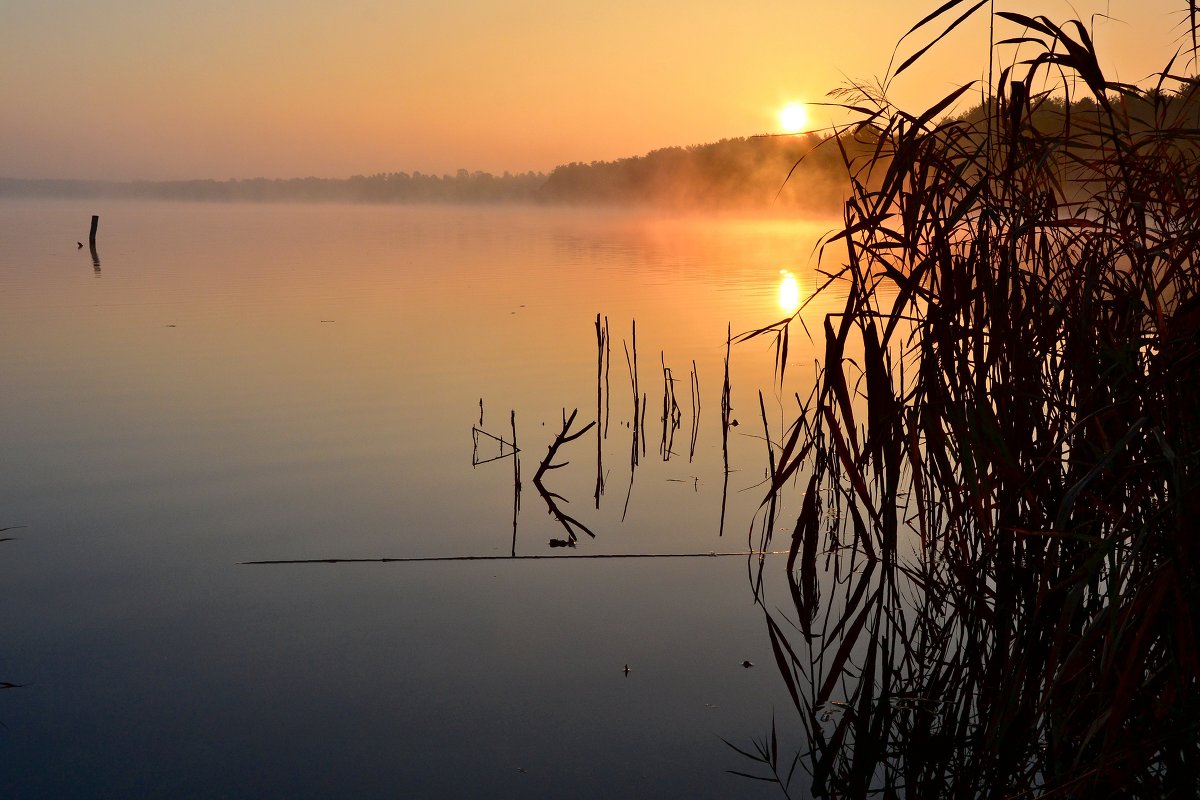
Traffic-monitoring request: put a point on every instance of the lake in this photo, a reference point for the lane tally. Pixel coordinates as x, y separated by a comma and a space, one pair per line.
241, 383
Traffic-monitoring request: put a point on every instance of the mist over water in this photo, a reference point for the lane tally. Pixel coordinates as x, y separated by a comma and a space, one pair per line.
763, 174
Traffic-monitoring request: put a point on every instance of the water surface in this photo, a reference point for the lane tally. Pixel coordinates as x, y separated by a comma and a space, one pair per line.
238, 383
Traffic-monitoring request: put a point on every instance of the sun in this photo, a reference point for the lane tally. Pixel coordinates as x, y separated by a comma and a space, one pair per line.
793, 118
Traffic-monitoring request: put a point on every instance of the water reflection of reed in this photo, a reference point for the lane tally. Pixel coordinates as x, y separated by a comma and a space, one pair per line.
552, 499
694, 382
603, 357
726, 411
506, 449
992, 584
9, 684
672, 421
516, 479
489, 448
638, 402
672, 415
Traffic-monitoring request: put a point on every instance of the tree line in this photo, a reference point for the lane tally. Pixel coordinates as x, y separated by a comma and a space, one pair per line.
732, 173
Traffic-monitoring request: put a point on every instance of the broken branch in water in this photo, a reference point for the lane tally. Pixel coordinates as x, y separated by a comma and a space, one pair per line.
562, 438
476, 432
569, 523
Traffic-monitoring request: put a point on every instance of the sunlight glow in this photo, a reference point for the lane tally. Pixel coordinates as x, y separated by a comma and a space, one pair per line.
789, 292
793, 118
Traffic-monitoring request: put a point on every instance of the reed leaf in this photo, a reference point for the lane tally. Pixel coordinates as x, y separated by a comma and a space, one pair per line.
1001, 454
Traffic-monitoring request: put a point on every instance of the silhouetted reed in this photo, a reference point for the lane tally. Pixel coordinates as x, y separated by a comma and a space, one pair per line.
602, 361
694, 379
636, 423
482, 453
672, 415
516, 479
993, 574
505, 448
631, 363
726, 410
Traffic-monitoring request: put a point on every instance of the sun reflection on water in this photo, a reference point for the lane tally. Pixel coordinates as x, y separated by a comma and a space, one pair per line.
789, 292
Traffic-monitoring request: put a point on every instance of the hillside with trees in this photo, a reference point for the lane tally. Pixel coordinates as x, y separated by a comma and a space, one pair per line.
750, 173
732, 173
803, 171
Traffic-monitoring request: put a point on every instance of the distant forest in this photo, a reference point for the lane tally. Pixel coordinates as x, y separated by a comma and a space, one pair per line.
732, 173
760, 172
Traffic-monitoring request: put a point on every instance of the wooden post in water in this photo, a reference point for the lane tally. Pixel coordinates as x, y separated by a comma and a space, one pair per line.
92, 242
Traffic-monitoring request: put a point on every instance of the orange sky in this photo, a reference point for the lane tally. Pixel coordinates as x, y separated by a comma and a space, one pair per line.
235, 88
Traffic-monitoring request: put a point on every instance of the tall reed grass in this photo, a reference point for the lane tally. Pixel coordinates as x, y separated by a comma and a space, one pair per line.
993, 585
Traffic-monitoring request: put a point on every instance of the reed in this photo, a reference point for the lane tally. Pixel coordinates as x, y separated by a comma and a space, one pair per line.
603, 354
512, 418
638, 416
672, 415
726, 414
505, 449
694, 379
992, 579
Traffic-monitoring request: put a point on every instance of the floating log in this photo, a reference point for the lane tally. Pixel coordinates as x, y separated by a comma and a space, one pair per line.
551, 556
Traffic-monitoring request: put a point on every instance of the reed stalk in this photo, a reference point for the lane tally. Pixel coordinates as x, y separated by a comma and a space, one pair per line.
999, 465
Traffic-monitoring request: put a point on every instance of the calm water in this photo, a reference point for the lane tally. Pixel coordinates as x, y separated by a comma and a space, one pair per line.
243, 383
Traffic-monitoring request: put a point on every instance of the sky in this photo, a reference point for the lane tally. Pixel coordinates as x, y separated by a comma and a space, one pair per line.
129, 89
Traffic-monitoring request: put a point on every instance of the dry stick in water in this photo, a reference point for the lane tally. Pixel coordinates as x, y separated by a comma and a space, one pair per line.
516, 480
607, 365
645, 403
725, 409
671, 415
601, 341
513, 452
476, 432
695, 384
631, 363
569, 523
92, 242
633, 376
663, 448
